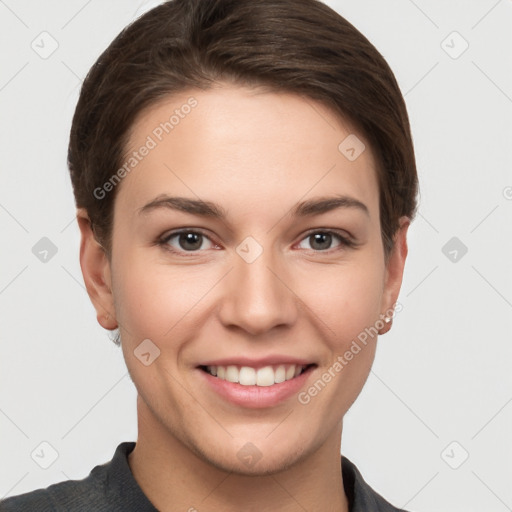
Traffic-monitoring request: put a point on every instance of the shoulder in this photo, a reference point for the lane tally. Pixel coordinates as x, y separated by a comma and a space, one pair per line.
72, 495
362, 498
91, 493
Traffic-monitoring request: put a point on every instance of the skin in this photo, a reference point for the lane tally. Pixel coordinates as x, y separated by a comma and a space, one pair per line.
256, 154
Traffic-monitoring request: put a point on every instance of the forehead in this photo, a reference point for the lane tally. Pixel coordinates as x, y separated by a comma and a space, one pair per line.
247, 148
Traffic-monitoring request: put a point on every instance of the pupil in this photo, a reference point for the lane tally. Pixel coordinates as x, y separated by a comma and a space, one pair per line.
318, 237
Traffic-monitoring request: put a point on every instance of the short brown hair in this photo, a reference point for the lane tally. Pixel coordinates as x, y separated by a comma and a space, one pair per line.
296, 46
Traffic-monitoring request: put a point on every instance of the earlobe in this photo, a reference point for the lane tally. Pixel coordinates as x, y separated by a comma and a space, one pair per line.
394, 273
96, 273
388, 322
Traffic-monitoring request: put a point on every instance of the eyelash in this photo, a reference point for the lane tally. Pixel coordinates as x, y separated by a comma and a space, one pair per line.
344, 241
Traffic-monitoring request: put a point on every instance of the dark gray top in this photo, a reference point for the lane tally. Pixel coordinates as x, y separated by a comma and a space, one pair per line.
110, 487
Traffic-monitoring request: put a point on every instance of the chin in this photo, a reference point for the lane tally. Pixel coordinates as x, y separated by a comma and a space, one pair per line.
253, 458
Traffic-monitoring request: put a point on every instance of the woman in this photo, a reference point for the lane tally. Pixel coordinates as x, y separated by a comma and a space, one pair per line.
244, 177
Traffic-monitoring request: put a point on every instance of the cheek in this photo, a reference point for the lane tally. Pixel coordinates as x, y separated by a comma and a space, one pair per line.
156, 301
349, 308
345, 298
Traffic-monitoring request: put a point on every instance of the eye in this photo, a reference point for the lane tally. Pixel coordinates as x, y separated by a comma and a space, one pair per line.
322, 240
185, 241
192, 241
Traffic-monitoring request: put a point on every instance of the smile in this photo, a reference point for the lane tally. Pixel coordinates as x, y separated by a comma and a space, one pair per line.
264, 376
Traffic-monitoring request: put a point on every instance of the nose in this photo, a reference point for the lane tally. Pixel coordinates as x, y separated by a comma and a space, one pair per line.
258, 295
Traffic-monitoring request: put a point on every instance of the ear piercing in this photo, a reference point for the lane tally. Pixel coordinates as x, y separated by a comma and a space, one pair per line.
385, 324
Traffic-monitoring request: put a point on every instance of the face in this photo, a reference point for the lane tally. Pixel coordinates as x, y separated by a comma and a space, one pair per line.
280, 272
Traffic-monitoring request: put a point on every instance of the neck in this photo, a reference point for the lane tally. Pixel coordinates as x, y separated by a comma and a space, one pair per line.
173, 477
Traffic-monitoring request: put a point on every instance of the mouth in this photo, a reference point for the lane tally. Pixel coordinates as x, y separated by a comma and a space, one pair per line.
263, 376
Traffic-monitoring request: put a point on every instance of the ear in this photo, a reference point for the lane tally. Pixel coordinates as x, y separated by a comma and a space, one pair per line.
394, 271
96, 272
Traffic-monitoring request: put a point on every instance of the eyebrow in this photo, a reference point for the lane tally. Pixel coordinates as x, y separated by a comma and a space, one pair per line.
208, 209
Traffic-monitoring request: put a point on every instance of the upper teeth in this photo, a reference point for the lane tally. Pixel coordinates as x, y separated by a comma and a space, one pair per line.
247, 376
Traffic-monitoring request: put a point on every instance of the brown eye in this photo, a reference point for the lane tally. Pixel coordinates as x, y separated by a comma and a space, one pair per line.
185, 241
322, 240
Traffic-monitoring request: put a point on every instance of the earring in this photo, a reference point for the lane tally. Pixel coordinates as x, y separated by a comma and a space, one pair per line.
387, 325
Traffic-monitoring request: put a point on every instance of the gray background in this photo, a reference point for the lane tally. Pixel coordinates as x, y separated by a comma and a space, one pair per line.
441, 386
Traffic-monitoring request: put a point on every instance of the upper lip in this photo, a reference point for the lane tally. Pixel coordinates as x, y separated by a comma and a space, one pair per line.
257, 362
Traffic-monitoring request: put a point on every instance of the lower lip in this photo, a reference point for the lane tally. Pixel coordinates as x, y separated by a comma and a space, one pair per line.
256, 397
